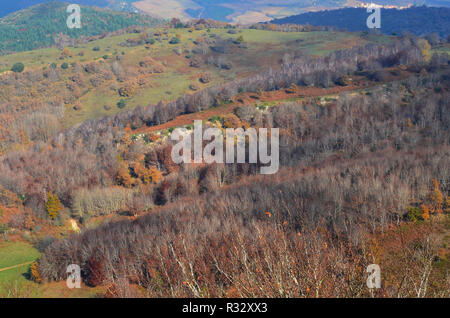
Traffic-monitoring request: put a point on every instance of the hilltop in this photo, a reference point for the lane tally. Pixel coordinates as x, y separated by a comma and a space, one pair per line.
13, 6
43, 24
234, 11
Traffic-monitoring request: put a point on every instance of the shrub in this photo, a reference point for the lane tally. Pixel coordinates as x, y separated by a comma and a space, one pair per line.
53, 205
34, 273
226, 65
215, 118
121, 104
292, 89
195, 62
343, 80
194, 87
127, 90
18, 67
414, 214
174, 40
43, 243
206, 78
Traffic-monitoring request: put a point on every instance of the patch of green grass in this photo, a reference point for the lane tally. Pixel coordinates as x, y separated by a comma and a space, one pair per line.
13, 253
264, 49
111, 45
14, 279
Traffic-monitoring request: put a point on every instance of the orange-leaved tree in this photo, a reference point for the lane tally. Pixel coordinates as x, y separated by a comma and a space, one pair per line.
150, 175
34, 272
53, 205
425, 212
436, 197
123, 176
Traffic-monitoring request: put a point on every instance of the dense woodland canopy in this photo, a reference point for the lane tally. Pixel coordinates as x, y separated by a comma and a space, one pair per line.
40, 25
94, 140
349, 169
13, 6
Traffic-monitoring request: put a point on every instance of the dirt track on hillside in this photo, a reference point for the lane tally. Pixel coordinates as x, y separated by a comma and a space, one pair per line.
14, 266
251, 98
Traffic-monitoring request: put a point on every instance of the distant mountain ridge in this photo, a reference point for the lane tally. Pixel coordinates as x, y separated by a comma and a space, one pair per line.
255, 11
418, 20
238, 11
38, 26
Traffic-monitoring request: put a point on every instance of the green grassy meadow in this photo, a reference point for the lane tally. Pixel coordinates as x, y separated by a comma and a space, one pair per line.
264, 49
15, 279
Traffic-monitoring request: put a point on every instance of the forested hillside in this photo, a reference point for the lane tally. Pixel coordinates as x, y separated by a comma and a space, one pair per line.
352, 169
13, 6
88, 176
418, 20
41, 25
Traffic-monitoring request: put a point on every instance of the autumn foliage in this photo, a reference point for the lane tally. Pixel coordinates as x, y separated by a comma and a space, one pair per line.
34, 272
53, 205
362, 180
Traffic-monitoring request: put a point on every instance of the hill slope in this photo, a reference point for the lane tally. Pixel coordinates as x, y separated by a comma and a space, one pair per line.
418, 20
13, 6
38, 26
